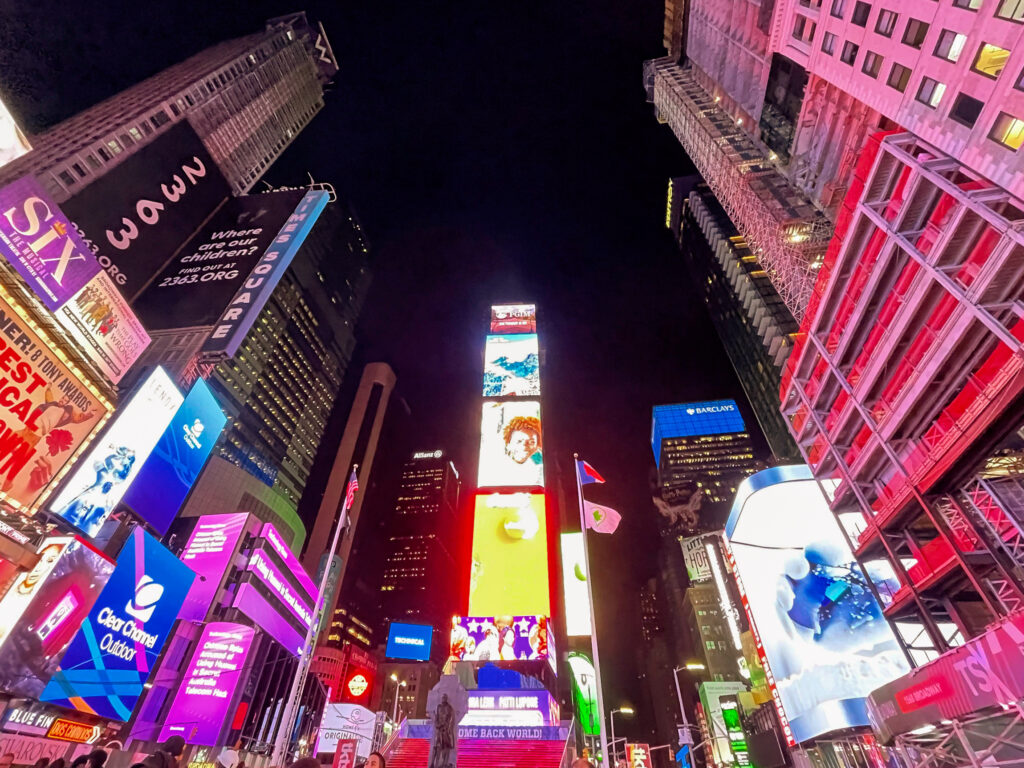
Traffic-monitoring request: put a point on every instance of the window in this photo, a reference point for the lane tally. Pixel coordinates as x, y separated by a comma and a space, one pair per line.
67, 178
916, 32
803, 29
1019, 85
966, 109
861, 11
79, 170
838, 6
849, 53
930, 92
93, 162
990, 60
1011, 9
828, 44
872, 64
1008, 131
899, 76
950, 45
971, 5
104, 154
114, 147
886, 23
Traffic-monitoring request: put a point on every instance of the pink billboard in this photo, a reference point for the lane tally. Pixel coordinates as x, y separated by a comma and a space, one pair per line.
208, 690
208, 553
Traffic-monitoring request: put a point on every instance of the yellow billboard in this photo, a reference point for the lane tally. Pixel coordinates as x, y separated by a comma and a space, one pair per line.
510, 556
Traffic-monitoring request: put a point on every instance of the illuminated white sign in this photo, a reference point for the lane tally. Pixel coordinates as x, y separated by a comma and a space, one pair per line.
578, 622
427, 455
723, 597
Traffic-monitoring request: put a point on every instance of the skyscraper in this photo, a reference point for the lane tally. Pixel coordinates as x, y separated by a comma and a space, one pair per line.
418, 559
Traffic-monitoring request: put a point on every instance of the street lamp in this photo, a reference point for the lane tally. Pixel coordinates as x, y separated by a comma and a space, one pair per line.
398, 683
684, 732
611, 718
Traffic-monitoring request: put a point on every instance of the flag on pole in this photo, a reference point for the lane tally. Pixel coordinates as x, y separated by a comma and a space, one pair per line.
350, 492
600, 518
587, 473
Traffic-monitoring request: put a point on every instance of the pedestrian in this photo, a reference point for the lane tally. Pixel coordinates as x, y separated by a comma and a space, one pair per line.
97, 758
60, 762
42, 762
375, 760
583, 761
167, 755
80, 761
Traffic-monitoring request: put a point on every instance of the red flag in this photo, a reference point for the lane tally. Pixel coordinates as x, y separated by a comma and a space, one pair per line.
587, 473
350, 492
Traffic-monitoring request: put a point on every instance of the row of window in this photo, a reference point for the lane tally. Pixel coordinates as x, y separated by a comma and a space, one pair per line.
1011, 10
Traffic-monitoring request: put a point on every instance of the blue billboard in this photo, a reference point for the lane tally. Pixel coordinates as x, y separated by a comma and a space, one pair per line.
112, 655
172, 468
409, 641
712, 417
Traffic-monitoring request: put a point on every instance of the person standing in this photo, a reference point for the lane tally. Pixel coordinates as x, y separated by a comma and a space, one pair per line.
166, 756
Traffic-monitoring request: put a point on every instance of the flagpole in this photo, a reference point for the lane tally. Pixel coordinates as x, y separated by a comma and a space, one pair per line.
284, 734
593, 616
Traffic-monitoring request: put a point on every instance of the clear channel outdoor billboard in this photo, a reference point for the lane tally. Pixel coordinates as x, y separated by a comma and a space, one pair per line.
95, 488
510, 555
511, 446
825, 640
511, 365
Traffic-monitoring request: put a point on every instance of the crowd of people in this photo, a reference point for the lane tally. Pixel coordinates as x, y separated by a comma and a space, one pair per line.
168, 755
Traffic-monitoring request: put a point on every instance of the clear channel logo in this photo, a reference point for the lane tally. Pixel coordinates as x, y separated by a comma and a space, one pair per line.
147, 595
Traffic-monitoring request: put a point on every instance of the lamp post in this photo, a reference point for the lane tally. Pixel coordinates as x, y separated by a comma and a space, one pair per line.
611, 719
684, 732
402, 684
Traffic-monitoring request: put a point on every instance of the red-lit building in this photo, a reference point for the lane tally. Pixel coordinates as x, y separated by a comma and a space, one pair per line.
905, 389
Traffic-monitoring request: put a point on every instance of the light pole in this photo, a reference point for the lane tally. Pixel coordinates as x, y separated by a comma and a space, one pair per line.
684, 732
402, 683
611, 719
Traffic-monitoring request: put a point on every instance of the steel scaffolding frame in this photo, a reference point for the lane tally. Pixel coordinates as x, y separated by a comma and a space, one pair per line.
984, 740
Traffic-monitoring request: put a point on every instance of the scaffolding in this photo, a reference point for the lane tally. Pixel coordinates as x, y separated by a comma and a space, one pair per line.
786, 233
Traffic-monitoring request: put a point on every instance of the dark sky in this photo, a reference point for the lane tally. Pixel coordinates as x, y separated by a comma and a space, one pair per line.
494, 152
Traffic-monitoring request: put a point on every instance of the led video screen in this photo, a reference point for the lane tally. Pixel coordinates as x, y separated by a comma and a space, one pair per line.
578, 622
499, 638
514, 318
825, 639
510, 555
511, 365
511, 446
409, 641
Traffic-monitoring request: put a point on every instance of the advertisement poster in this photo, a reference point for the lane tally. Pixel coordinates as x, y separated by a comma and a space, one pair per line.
46, 412
111, 657
499, 638
208, 554
578, 622
639, 756
345, 753
137, 214
825, 639
179, 456
511, 445
13, 145
41, 244
230, 330
511, 366
102, 477
510, 555
527, 707
20, 594
695, 555
409, 641
101, 321
208, 690
346, 721
584, 693
33, 649
199, 282
711, 700
514, 318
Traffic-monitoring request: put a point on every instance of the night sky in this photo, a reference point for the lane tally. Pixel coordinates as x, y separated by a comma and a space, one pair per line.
494, 152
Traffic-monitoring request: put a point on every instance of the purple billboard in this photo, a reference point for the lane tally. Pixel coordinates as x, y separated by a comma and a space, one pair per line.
208, 553
499, 638
42, 244
209, 689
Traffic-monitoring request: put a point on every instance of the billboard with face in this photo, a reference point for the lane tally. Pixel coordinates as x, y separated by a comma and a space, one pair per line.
95, 488
499, 638
25, 586
179, 456
511, 365
46, 411
112, 655
578, 622
510, 555
514, 318
42, 245
511, 445
136, 215
825, 640
209, 689
33, 648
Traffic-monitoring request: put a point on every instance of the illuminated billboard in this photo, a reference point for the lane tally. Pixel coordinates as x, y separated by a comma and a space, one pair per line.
208, 553
511, 365
209, 689
102, 477
179, 456
825, 641
695, 555
46, 411
112, 655
584, 693
33, 647
346, 721
510, 555
711, 700
510, 445
103, 324
13, 143
578, 622
522, 707
514, 318
409, 641
499, 638
20, 593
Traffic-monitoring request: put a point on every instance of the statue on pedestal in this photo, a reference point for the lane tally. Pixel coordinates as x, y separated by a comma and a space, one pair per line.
447, 704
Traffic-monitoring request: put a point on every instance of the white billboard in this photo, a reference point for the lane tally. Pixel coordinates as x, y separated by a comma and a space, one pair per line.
102, 477
511, 445
578, 622
825, 640
698, 566
13, 143
346, 721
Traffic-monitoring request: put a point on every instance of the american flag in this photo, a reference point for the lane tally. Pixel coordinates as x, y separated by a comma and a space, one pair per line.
350, 492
